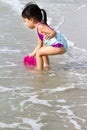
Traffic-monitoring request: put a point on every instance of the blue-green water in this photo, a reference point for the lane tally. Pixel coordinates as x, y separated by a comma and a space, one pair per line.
52, 100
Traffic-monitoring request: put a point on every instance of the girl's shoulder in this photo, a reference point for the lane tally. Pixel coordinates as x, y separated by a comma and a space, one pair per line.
39, 26
42, 26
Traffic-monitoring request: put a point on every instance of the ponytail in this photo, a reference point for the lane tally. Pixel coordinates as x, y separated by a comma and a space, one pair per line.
44, 16
33, 11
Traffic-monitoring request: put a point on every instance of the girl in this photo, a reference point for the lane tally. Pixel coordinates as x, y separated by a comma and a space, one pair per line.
50, 42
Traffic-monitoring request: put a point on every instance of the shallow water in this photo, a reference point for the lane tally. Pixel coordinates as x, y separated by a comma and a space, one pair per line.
52, 100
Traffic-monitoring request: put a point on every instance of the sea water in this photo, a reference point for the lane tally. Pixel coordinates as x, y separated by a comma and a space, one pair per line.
54, 100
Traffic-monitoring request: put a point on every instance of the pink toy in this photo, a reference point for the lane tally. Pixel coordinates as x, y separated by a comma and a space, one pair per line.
29, 61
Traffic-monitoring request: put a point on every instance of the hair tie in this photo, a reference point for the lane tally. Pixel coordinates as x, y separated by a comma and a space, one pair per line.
42, 16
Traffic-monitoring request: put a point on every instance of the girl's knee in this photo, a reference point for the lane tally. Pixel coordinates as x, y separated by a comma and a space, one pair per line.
38, 53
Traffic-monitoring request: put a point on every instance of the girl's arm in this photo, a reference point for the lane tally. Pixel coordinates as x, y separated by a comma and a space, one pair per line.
47, 31
37, 47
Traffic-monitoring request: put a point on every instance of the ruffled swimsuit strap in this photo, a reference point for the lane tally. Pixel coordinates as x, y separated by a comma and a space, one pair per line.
41, 36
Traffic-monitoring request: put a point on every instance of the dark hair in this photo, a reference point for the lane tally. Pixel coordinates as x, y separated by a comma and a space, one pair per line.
33, 11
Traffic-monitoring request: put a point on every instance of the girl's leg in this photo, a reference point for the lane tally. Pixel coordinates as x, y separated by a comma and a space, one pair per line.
39, 61
46, 62
49, 50
46, 59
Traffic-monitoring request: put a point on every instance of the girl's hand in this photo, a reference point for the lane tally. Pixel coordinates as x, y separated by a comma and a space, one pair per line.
32, 54
47, 37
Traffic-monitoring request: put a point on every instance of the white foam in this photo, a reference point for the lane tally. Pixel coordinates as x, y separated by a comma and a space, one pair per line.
33, 123
6, 50
61, 22
60, 89
4, 89
35, 100
77, 126
13, 125
10, 65
82, 6
15, 4
61, 101
83, 105
70, 44
73, 119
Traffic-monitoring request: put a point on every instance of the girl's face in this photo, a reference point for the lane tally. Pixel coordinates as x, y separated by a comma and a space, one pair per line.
29, 22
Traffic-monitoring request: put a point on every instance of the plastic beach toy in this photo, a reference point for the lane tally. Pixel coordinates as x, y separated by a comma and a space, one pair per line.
29, 61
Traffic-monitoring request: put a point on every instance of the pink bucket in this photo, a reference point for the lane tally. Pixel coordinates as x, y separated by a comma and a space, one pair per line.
29, 61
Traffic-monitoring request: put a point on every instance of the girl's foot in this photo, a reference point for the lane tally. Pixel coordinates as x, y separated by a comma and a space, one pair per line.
47, 68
